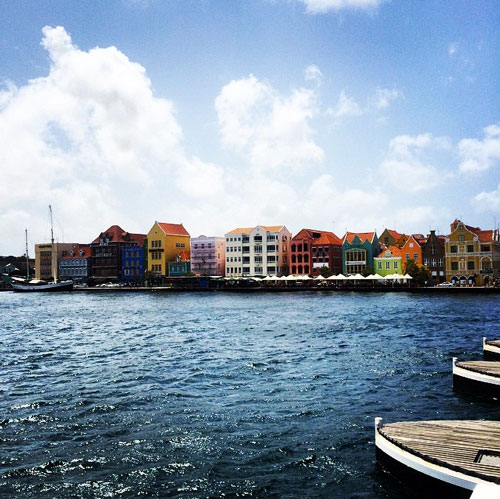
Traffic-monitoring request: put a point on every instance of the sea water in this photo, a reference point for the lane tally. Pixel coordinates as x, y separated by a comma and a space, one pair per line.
224, 394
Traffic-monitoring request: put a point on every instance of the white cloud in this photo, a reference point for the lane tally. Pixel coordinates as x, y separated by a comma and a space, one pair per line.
452, 48
346, 106
314, 74
271, 129
480, 155
409, 162
322, 6
91, 139
384, 96
488, 201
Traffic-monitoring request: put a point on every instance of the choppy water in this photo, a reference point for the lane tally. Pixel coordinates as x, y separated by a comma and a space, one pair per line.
211, 395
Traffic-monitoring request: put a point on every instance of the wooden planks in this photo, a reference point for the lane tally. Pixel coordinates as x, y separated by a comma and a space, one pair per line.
491, 368
493, 343
452, 444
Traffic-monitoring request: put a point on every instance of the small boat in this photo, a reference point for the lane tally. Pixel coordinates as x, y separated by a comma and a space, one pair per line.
491, 349
459, 459
37, 286
477, 377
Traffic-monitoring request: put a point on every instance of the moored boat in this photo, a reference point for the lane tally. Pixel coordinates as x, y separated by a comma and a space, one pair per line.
477, 377
491, 349
442, 458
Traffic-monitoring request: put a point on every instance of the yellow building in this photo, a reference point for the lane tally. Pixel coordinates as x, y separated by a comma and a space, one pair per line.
47, 256
472, 255
166, 243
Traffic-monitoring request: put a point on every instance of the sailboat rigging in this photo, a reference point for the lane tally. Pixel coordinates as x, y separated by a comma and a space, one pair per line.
30, 286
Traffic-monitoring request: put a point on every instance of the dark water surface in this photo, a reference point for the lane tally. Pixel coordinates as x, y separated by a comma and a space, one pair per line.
224, 395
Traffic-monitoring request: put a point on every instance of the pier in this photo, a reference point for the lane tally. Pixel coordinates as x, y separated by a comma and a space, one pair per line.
477, 377
491, 349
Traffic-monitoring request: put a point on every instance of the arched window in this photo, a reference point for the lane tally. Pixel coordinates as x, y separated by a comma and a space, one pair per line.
306, 269
300, 269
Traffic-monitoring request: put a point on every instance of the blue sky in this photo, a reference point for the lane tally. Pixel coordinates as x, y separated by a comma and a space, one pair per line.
331, 114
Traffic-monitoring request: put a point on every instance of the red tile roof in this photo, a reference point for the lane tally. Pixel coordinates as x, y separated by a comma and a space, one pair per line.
173, 229
77, 248
326, 237
364, 236
116, 234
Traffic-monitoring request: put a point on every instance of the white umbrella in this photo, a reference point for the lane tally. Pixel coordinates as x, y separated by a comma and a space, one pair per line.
341, 277
291, 277
377, 277
320, 278
302, 277
332, 278
270, 278
408, 276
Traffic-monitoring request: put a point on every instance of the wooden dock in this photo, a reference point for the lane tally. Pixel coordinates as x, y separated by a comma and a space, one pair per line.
477, 377
458, 458
491, 349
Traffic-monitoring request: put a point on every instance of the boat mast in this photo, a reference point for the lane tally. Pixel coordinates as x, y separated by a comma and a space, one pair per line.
54, 255
27, 257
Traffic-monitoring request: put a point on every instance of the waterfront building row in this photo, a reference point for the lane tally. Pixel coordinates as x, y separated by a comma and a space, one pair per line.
466, 255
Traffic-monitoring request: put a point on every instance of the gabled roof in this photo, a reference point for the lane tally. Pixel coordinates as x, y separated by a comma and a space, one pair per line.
247, 230
363, 236
486, 236
173, 229
116, 234
77, 249
325, 237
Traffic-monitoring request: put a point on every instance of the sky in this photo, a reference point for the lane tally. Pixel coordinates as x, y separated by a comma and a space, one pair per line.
340, 115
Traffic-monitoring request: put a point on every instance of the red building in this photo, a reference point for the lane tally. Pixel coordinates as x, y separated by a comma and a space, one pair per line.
312, 249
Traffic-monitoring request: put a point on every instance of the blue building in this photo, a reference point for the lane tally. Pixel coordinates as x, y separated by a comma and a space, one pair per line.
133, 264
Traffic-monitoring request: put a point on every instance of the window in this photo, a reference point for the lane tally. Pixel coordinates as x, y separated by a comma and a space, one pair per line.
470, 248
453, 249
415, 256
411, 245
387, 265
407, 256
486, 264
470, 265
461, 238
454, 265
485, 248
396, 264
180, 245
379, 265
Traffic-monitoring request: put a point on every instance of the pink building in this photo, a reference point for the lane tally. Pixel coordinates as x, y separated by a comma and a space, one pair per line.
208, 255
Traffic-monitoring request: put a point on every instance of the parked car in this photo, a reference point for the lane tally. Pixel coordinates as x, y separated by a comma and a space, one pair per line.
446, 284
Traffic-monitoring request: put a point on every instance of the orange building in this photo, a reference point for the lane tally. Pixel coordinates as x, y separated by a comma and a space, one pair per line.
410, 249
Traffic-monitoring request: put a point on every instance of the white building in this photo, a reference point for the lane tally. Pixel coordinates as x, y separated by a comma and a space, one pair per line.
257, 251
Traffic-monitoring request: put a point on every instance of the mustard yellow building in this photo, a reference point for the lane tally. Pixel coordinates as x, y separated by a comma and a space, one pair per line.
167, 243
472, 255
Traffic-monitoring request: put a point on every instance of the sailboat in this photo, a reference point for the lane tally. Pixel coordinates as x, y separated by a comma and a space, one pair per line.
33, 287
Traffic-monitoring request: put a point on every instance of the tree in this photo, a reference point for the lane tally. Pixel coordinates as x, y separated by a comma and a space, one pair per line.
368, 271
420, 273
325, 271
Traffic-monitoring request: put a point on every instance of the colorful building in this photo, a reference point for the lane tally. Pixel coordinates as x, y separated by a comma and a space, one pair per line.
257, 251
389, 237
312, 249
208, 256
76, 264
358, 251
133, 264
387, 263
47, 258
166, 243
107, 251
433, 257
409, 248
472, 255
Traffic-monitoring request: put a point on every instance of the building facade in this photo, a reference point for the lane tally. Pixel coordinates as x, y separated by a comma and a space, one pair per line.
433, 257
76, 264
310, 250
133, 264
166, 243
107, 252
208, 256
386, 263
257, 251
47, 258
358, 252
472, 255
